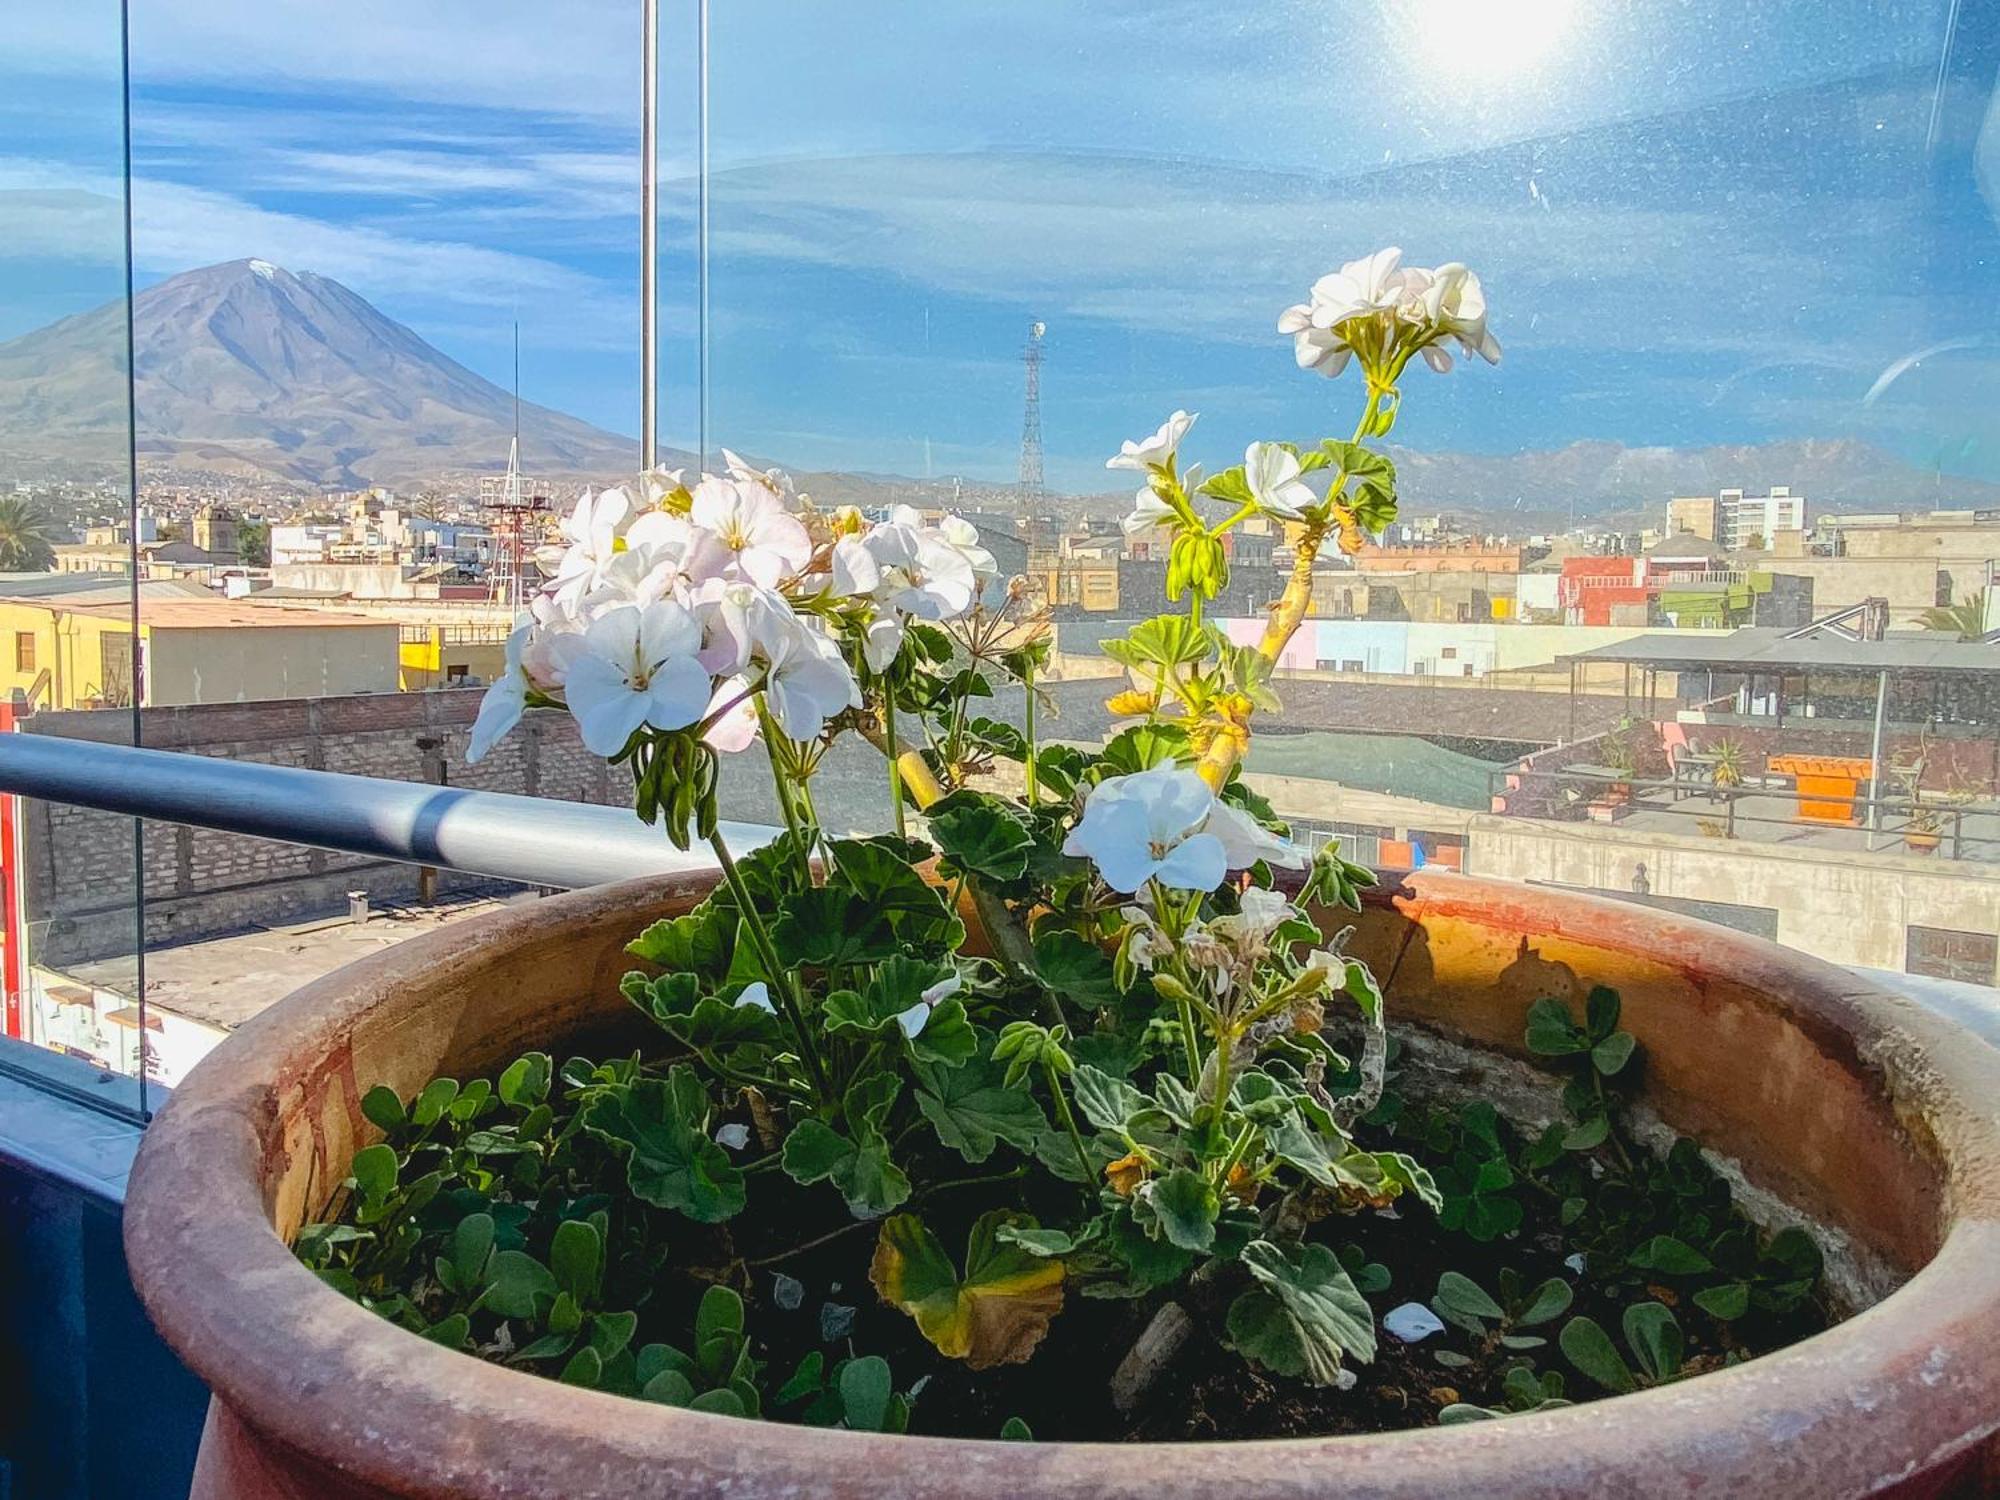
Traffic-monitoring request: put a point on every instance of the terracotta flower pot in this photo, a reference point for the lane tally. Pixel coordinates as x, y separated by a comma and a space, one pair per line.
1871, 1117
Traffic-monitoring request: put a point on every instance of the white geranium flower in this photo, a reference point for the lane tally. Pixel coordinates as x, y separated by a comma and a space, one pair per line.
807, 683
591, 529
740, 622
744, 531
921, 574
1149, 514
503, 703
777, 481
737, 728
1361, 288
1321, 349
1456, 302
1245, 841
1273, 475
656, 484
1149, 826
882, 639
853, 569
1156, 450
918, 1016
555, 642
757, 995
959, 533
638, 667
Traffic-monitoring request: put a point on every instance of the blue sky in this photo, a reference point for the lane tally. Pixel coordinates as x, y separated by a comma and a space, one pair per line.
1699, 221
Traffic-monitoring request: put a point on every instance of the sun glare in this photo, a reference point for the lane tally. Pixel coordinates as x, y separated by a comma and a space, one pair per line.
1494, 39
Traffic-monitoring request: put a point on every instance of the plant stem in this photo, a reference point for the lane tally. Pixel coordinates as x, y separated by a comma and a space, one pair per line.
1236, 1149
1028, 717
784, 983
1069, 1124
931, 1191
894, 757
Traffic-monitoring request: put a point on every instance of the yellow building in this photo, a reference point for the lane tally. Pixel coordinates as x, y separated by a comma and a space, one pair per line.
70, 655
434, 656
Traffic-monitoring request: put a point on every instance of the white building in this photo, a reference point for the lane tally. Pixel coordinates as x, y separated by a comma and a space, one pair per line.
1753, 520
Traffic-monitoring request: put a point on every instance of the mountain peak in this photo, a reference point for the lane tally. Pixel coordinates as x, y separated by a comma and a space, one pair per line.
250, 368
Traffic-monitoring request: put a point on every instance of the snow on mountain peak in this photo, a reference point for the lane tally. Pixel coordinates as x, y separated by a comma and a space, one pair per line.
265, 269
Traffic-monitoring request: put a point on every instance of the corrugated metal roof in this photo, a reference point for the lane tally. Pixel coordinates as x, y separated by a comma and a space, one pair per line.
1764, 649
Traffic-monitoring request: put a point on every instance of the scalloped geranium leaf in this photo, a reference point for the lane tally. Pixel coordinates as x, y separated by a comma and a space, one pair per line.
972, 1110
670, 1162
860, 1166
980, 834
995, 1314
1304, 1317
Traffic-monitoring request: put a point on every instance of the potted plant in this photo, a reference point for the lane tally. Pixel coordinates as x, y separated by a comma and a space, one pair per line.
1729, 764
1072, 1115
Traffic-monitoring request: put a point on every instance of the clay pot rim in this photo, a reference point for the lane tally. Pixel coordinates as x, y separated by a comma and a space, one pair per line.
262, 1330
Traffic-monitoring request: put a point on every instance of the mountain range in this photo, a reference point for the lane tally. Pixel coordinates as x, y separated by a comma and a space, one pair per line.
249, 370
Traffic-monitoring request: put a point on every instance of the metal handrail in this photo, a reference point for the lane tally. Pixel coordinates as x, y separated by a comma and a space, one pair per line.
531, 840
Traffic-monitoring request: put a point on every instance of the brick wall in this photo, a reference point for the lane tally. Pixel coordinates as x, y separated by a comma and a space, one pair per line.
78, 865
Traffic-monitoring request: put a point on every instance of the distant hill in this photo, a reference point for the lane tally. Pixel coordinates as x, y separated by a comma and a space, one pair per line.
1603, 477
268, 374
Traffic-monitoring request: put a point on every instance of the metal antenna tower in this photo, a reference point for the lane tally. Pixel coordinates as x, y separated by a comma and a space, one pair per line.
1033, 491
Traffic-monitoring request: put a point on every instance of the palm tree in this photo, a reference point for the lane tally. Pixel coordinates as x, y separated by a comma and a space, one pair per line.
1966, 620
24, 537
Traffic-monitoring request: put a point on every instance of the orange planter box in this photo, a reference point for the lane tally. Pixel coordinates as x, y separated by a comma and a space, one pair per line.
1827, 785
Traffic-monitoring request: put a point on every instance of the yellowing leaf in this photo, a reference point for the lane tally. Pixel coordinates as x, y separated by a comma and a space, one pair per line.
995, 1314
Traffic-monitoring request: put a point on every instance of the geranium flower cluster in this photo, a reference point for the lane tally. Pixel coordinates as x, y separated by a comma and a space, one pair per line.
720, 606
1382, 311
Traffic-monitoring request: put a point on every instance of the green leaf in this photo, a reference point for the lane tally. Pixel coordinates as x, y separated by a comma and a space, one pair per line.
995, 1314
374, 1169
826, 926
865, 1389
1113, 1104
1589, 1348
1600, 1012
1463, 1301
1047, 1242
1611, 1054
1075, 969
1549, 1300
860, 1166
718, 1315
979, 834
1230, 486
1655, 1338
670, 1161
452, 1331
1304, 1317
1587, 1136
381, 1108
720, 1403
1014, 1430
585, 1368
1673, 1257
515, 1283
881, 872
576, 1257
1181, 1207
433, 1101
525, 1083
1551, 1032
669, 1388
971, 1109
1163, 641
1729, 1301
696, 943
1141, 747
471, 1243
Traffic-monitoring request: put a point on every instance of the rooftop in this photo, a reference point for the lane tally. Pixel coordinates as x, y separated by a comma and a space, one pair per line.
1770, 649
205, 614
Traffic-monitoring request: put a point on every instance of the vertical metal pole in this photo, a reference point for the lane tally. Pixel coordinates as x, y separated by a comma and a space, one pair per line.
132, 482
1875, 760
701, 228
649, 290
